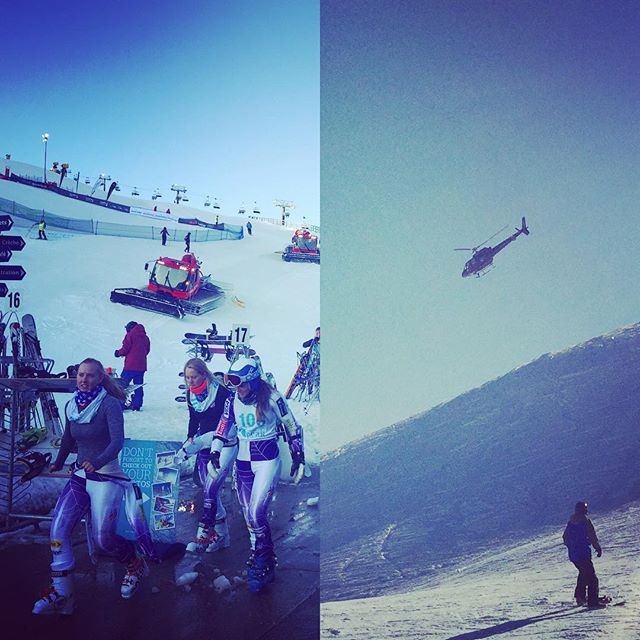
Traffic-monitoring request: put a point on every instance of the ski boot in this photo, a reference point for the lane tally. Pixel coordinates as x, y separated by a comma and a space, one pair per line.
221, 538
261, 572
136, 570
205, 535
58, 598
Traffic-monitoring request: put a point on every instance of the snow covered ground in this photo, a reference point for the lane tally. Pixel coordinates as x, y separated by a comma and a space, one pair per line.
521, 591
69, 279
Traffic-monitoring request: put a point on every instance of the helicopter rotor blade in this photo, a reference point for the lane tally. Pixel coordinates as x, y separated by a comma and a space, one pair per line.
463, 249
491, 238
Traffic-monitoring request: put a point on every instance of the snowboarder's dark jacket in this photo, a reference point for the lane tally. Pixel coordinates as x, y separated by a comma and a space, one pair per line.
135, 348
578, 536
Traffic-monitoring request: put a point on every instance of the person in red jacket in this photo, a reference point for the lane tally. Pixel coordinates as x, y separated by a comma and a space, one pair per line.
135, 349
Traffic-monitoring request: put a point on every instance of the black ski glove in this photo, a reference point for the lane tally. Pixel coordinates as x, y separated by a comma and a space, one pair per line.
297, 455
214, 459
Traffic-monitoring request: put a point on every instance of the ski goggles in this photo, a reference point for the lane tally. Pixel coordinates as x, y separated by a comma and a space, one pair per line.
232, 380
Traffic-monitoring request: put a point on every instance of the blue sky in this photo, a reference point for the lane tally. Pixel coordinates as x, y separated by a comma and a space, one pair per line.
220, 96
442, 122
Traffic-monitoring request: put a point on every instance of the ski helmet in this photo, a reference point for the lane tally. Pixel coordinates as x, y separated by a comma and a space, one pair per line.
243, 370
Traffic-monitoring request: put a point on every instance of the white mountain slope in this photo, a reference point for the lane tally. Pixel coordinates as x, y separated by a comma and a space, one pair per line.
521, 591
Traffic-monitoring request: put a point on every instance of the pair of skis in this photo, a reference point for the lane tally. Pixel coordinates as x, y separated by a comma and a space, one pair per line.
306, 376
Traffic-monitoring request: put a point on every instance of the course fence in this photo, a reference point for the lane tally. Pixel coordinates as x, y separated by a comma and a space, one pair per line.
99, 227
314, 228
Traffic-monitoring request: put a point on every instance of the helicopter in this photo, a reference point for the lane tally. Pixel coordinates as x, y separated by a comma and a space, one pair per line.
482, 258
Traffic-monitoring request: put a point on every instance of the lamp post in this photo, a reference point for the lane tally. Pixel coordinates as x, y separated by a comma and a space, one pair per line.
45, 139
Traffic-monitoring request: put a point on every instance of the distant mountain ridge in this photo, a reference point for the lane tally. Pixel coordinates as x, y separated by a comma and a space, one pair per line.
496, 463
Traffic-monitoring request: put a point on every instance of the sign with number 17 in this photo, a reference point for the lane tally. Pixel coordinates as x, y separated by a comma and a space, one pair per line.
240, 334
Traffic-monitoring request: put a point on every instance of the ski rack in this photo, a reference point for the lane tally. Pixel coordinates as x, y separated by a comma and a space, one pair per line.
26, 403
20, 388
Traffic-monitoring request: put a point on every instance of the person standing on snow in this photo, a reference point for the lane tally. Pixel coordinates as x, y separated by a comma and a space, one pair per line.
135, 349
41, 227
579, 536
187, 242
95, 425
164, 233
205, 400
253, 413
249, 226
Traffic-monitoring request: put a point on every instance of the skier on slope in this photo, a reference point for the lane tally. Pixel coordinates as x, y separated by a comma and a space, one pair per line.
94, 423
579, 536
205, 400
253, 413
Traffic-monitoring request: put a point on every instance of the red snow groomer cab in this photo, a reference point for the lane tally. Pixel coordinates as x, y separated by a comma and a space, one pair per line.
176, 287
303, 248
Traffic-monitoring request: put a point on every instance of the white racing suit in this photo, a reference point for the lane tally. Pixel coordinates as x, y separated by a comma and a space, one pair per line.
258, 464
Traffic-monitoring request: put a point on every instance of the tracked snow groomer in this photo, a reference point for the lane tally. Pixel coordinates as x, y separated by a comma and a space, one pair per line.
176, 287
303, 248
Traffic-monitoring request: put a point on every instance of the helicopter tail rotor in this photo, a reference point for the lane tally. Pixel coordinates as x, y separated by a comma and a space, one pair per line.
524, 229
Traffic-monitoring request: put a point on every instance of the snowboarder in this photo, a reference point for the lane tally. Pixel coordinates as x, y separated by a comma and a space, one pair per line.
135, 349
249, 226
41, 227
579, 536
252, 414
164, 233
217, 219
94, 424
205, 400
187, 242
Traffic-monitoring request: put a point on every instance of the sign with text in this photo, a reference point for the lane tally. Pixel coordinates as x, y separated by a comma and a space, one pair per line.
6, 222
12, 272
5, 255
240, 334
151, 465
15, 243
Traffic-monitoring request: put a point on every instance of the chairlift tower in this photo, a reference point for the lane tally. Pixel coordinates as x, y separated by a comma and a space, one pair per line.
178, 189
284, 205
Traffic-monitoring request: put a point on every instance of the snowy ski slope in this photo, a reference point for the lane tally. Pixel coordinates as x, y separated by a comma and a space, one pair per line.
69, 279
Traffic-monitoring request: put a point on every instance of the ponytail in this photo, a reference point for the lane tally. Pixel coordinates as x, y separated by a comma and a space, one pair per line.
109, 384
